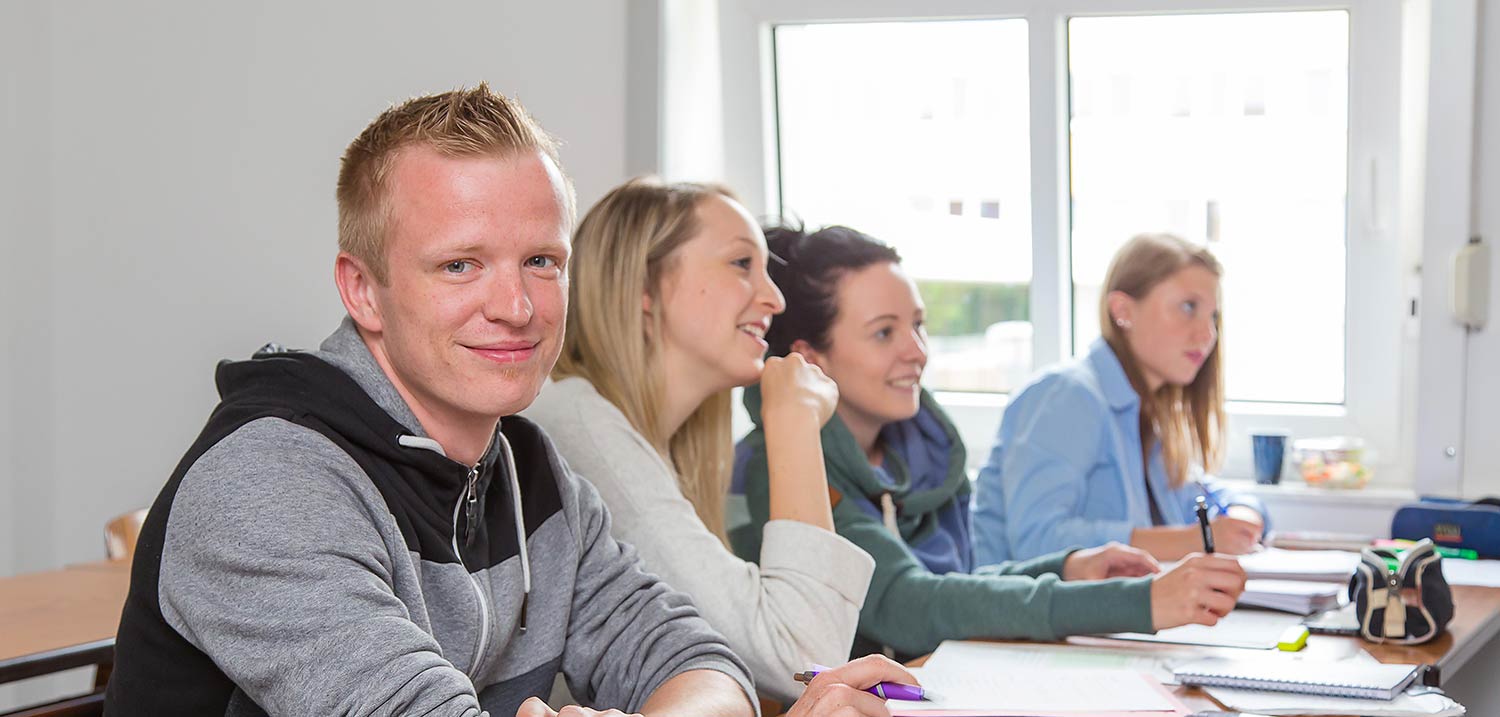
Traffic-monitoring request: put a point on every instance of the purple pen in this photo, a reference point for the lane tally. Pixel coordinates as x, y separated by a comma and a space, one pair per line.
884, 690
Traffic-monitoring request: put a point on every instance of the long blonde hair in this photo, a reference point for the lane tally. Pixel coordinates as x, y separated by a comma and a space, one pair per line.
621, 251
1188, 420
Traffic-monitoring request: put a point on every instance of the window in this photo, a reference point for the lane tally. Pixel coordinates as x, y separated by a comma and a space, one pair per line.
1008, 156
870, 115
1240, 149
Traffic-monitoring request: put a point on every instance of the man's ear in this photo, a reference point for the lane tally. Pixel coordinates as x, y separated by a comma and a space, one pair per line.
813, 356
357, 290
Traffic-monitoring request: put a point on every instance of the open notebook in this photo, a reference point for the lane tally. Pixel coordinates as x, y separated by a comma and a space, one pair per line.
1333, 679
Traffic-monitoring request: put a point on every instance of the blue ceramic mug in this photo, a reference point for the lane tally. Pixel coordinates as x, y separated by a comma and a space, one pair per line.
1269, 449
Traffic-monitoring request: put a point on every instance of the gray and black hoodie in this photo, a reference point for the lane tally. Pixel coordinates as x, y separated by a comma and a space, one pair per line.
315, 553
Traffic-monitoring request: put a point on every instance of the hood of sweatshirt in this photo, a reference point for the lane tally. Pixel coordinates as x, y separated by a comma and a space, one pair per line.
342, 388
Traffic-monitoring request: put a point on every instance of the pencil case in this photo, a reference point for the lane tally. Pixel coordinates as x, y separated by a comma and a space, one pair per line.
1401, 596
1452, 523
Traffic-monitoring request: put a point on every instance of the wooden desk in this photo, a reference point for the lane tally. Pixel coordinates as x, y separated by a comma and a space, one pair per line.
61, 619
1476, 621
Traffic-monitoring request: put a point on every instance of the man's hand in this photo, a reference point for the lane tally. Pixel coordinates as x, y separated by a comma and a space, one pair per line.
1199, 590
840, 692
535, 707
1111, 560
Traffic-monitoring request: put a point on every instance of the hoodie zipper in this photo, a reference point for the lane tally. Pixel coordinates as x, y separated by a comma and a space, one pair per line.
470, 499
471, 505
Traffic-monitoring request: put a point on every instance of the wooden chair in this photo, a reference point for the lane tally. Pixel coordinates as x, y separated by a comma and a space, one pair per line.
120, 534
86, 706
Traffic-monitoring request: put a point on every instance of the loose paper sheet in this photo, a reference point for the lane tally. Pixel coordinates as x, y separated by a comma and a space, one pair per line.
961, 655
1483, 573
1029, 691
1253, 629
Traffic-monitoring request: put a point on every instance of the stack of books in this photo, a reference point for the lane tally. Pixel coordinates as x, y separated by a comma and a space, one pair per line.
1295, 596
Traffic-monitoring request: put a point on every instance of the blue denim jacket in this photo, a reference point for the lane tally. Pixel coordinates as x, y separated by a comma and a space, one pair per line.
1066, 467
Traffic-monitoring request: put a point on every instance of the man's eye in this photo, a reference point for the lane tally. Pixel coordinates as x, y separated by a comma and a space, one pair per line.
458, 266
743, 262
541, 262
1188, 307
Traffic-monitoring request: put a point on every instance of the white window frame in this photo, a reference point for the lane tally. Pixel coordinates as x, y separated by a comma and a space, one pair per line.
1374, 312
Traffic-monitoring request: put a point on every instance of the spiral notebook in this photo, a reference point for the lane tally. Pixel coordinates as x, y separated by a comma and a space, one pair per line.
1332, 679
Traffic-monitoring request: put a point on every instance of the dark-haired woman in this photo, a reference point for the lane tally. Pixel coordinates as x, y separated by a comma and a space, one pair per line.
896, 467
1114, 446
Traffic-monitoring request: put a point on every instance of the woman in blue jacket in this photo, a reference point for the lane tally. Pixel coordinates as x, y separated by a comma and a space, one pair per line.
1115, 445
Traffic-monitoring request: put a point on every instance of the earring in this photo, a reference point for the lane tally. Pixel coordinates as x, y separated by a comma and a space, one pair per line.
1122, 323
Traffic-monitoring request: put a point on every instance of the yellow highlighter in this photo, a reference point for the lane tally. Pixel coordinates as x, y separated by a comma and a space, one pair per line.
1293, 639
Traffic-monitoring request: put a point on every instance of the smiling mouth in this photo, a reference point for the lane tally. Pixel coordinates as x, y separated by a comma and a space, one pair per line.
505, 353
755, 330
904, 383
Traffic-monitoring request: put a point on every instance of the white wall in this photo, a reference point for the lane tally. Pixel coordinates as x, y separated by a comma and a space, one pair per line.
25, 224
1482, 460
166, 200
176, 205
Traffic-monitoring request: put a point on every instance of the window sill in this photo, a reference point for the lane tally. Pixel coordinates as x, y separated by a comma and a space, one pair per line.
1369, 496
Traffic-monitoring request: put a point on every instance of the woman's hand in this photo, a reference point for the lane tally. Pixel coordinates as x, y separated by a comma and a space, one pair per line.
790, 383
1238, 531
840, 692
796, 400
1199, 590
1111, 560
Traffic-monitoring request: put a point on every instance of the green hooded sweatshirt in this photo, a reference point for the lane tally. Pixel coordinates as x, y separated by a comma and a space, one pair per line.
910, 608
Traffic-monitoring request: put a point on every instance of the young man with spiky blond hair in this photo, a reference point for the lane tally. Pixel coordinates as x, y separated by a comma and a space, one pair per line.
368, 529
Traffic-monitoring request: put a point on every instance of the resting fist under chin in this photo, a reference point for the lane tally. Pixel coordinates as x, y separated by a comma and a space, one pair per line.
1111, 560
535, 707
791, 383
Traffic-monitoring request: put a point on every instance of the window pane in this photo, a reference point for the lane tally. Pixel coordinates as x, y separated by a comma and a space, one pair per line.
917, 134
1229, 130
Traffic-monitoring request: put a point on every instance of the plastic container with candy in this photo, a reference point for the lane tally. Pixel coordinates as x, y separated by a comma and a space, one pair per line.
1337, 462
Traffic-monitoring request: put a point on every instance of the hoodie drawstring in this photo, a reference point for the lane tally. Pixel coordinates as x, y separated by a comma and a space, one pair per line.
520, 521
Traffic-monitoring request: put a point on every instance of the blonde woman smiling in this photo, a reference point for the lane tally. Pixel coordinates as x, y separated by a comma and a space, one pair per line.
670, 306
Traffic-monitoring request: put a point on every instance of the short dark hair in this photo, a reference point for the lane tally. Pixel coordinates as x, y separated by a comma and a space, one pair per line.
809, 278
